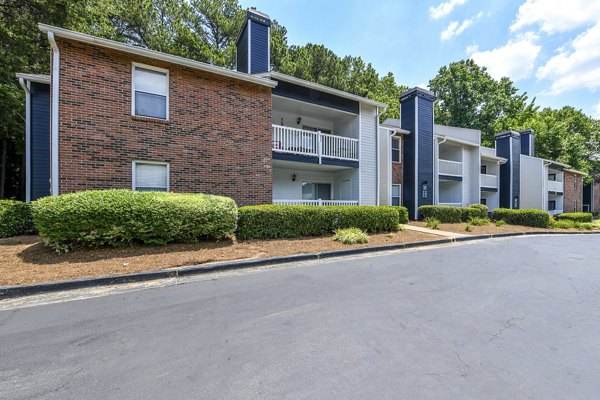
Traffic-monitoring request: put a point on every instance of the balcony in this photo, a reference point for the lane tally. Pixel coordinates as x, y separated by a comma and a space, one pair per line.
489, 181
314, 144
556, 186
447, 167
316, 202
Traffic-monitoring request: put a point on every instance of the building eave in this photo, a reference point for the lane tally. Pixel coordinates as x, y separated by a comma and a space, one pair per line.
322, 88
38, 78
156, 55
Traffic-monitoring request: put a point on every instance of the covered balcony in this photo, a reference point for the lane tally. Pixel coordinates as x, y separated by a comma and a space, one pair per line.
450, 160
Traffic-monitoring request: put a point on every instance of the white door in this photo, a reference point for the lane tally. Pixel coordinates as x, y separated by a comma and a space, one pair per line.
346, 190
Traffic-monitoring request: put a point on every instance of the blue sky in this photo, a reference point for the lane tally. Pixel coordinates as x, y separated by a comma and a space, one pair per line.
549, 48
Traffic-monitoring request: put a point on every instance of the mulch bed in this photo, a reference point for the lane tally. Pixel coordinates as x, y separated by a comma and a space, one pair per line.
490, 228
25, 260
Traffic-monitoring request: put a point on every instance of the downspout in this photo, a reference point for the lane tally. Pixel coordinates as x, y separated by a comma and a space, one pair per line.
545, 196
436, 177
25, 86
377, 155
54, 116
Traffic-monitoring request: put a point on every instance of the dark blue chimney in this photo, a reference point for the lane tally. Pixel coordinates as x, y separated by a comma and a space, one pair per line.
253, 44
508, 145
528, 142
416, 116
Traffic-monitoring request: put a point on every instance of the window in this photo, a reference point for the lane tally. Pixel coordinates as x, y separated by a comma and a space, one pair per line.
395, 195
150, 92
484, 169
396, 153
316, 191
551, 205
150, 176
483, 201
551, 177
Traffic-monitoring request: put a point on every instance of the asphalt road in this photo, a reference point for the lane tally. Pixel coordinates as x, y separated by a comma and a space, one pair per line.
501, 319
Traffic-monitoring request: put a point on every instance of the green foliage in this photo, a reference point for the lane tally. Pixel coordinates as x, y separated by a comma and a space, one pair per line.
350, 236
402, 211
479, 221
525, 217
120, 217
445, 214
281, 221
432, 223
575, 216
469, 228
500, 222
483, 209
15, 218
571, 224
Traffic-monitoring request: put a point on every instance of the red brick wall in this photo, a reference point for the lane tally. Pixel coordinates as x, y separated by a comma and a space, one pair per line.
217, 139
397, 168
573, 187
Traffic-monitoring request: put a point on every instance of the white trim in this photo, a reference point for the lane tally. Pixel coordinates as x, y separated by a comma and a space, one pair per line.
156, 55
360, 164
322, 88
34, 78
389, 166
399, 193
54, 105
399, 139
377, 157
133, 165
269, 47
510, 187
26, 87
249, 24
135, 65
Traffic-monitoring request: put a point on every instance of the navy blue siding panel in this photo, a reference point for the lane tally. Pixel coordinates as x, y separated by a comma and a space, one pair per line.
587, 194
425, 143
488, 189
40, 140
338, 162
450, 178
292, 91
259, 43
314, 160
525, 144
516, 170
503, 150
242, 51
407, 118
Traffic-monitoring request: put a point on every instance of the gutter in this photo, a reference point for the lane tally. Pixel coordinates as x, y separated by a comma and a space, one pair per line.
25, 86
54, 106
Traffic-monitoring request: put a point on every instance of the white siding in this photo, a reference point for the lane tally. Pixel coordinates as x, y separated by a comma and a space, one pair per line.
348, 174
385, 167
368, 155
533, 176
291, 120
284, 188
462, 134
348, 129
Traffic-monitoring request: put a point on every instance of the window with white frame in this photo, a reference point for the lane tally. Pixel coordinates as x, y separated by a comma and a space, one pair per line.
150, 176
396, 152
150, 92
396, 195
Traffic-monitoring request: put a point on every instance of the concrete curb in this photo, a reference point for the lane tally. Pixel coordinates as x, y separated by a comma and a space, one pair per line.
28, 290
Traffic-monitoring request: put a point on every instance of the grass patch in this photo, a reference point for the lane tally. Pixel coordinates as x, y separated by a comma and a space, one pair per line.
570, 224
500, 223
469, 228
350, 236
479, 221
432, 223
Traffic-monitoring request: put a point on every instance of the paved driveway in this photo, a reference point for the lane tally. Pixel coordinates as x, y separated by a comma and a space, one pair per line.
502, 319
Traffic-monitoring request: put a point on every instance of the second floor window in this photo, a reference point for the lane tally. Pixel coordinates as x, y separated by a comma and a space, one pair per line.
396, 156
150, 92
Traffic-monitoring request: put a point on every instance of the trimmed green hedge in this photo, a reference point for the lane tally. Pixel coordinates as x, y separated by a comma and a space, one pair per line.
525, 217
281, 221
120, 217
15, 218
575, 217
402, 211
451, 214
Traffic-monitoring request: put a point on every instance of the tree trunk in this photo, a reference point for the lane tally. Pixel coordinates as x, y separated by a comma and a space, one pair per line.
2, 168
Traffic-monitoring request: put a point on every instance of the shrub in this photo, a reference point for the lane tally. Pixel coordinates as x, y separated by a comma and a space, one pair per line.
120, 217
15, 218
500, 222
575, 216
570, 224
281, 221
525, 217
482, 208
432, 223
469, 228
403, 212
479, 221
445, 214
588, 226
350, 236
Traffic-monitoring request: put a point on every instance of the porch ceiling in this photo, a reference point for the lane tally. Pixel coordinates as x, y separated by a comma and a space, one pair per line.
306, 166
301, 108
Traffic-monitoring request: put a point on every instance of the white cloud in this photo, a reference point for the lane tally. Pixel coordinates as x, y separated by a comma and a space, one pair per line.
472, 48
576, 65
515, 59
597, 111
455, 29
423, 86
444, 8
557, 15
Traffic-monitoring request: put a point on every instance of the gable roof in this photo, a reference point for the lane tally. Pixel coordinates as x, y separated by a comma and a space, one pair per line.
156, 55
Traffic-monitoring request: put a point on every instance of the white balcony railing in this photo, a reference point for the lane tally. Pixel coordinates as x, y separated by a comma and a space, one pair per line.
488, 180
447, 167
316, 202
451, 204
555, 186
299, 141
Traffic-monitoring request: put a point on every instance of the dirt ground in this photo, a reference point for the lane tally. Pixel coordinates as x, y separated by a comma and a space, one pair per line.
25, 260
488, 229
